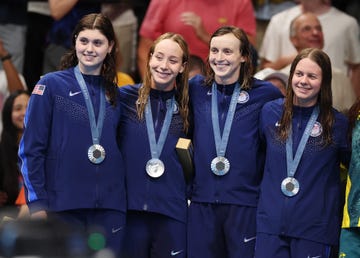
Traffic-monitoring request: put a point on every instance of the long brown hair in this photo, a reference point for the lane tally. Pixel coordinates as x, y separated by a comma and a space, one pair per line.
182, 85
97, 21
246, 68
326, 116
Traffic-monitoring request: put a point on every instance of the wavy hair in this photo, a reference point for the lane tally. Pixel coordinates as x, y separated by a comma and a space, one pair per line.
97, 21
181, 86
326, 116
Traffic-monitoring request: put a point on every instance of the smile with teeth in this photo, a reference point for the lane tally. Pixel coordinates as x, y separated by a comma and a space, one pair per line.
163, 73
303, 87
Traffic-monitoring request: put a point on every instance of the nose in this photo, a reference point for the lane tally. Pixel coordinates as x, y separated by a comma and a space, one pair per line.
89, 48
163, 64
23, 111
219, 55
304, 80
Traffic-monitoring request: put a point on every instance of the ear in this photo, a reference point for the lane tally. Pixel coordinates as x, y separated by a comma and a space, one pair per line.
183, 67
111, 45
242, 59
294, 41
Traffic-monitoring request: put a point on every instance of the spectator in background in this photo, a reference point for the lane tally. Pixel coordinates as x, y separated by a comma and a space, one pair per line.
195, 21
277, 78
13, 21
341, 44
305, 31
196, 66
66, 14
13, 114
10, 79
125, 26
39, 22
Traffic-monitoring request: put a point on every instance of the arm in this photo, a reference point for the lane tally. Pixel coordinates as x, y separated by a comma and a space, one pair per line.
279, 63
59, 8
191, 19
142, 54
33, 148
12, 75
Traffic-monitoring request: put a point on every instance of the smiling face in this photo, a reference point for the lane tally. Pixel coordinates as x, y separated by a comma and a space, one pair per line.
18, 110
165, 63
91, 49
306, 83
307, 32
225, 58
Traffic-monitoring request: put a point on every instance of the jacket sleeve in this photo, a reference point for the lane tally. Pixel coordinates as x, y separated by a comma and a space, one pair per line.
33, 145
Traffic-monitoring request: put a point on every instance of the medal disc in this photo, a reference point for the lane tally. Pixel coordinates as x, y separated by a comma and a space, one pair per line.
96, 153
220, 166
290, 186
155, 168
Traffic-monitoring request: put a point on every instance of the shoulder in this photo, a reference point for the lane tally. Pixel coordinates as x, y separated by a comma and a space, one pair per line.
265, 87
197, 80
289, 13
197, 85
340, 117
55, 83
276, 104
63, 74
334, 12
129, 90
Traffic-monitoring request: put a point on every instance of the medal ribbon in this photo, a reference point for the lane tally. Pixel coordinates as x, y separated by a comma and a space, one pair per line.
96, 127
221, 142
156, 148
292, 164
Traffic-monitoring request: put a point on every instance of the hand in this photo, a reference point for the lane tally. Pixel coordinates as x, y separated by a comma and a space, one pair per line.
3, 51
3, 198
39, 215
192, 19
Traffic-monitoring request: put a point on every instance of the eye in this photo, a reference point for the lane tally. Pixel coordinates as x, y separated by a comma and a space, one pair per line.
298, 74
17, 108
313, 76
84, 41
307, 29
227, 51
98, 43
214, 50
173, 61
159, 57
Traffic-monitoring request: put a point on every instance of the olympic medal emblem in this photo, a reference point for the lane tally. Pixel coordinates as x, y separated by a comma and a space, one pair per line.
243, 97
155, 168
176, 108
290, 186
316, 130
220, 166
96, 153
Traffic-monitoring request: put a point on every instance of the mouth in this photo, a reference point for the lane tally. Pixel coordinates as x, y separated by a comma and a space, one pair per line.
303, 88
89, 56
220, 65
162, 74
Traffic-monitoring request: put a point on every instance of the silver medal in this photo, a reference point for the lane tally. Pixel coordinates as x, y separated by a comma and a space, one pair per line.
155, 168
220, 166
290, 186
96, 153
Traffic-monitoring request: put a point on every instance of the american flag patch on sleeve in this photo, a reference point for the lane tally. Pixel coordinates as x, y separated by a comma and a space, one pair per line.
39, 89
